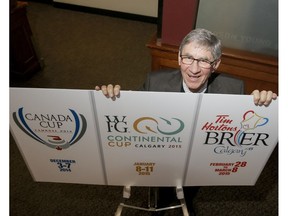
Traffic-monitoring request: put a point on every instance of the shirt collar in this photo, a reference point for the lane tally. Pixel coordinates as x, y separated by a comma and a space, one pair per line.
202, 90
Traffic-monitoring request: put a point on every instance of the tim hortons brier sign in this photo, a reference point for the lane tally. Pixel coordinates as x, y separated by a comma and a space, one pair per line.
142, 138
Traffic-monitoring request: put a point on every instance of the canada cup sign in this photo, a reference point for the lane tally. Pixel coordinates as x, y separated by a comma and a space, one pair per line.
58, 130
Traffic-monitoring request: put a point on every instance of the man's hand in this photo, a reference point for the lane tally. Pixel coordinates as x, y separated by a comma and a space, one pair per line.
263, 97
109, 91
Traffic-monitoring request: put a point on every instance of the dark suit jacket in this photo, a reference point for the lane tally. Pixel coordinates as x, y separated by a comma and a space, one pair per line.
171, 81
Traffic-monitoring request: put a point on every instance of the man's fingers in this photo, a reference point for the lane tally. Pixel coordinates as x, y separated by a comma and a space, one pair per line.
104, 90
256, 96
268, 98
263, 97
117, 90
110, 91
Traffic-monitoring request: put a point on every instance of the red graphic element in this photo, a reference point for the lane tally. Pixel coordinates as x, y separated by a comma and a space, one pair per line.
55, 137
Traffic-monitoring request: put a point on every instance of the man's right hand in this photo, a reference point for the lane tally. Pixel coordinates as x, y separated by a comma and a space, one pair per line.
109, 91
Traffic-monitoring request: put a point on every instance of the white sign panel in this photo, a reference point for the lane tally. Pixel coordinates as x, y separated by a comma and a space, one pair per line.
232, 141
146, 137
55, 132
142, 138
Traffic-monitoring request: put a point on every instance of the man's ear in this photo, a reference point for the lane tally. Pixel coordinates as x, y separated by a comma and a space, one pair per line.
216, 64
179, 58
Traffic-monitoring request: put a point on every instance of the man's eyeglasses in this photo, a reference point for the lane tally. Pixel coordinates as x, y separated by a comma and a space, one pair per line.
188, 60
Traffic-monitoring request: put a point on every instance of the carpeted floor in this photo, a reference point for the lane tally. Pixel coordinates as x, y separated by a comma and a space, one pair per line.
79, 50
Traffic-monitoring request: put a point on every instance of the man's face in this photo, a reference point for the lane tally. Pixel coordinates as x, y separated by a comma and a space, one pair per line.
193, 75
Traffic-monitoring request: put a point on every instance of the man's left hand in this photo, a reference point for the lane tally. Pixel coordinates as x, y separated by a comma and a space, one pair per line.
263, 97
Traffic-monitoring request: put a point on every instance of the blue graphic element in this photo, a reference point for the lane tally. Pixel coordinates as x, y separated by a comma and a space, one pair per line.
76, 123
251, 121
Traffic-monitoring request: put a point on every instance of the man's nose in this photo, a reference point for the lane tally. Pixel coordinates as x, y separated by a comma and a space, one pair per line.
194, 67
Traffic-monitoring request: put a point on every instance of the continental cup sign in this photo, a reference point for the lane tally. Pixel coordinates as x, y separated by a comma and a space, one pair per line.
145, 137
148, 145
149, 132
55, 130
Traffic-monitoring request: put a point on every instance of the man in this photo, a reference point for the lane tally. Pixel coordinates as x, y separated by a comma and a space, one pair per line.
199, 57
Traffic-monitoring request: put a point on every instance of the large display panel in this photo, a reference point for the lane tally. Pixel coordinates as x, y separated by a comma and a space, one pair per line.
142, 138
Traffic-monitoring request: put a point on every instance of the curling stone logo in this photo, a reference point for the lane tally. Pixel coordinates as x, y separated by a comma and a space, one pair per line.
57, 131
168, 123
250, 121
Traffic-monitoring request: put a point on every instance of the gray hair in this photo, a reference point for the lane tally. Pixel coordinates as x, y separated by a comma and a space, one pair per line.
204, 38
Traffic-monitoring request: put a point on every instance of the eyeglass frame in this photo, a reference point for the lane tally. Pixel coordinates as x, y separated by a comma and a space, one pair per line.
197, 60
